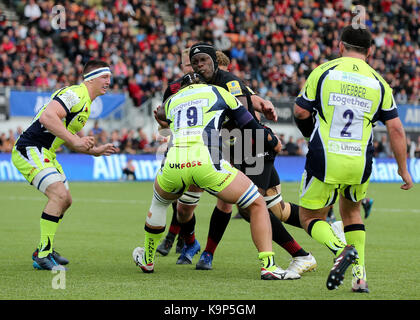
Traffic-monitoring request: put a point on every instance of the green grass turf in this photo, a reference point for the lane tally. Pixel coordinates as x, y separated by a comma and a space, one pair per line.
106, 220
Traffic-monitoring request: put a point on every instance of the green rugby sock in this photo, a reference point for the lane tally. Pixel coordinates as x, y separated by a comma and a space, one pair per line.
356, 236
267, 260
151, 241
321, 231
48, 226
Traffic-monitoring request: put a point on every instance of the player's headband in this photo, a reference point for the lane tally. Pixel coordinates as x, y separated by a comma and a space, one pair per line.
206, 48
96, 73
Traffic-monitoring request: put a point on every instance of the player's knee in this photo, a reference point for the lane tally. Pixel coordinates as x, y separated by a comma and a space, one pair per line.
256, 208
274, 202
156, 216
184, 212
258, 204
224, 206
62, 197
245, 214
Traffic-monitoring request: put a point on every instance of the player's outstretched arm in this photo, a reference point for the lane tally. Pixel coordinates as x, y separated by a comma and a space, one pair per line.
399, 147
103, 150
51, 119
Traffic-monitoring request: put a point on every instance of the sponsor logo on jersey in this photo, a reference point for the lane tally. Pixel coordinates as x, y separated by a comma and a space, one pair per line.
174, 87
189, 164
69, 98
339, 99
234, 88
346, 148
354, 78
82, 119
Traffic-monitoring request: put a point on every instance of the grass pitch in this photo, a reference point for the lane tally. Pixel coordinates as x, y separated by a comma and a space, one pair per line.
106, 222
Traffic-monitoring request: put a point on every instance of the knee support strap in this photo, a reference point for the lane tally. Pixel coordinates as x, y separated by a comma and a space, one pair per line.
249, 196
190, 198
274, 201
157, 212
47, 177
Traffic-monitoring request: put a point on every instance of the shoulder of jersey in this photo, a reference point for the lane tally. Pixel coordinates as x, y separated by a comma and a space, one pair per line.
225, 76
329, 64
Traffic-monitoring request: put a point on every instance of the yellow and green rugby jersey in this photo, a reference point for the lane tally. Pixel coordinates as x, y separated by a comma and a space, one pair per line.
196, 114
346, 97
76, 102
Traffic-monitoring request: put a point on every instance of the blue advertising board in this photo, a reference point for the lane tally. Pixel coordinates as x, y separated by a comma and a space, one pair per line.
409, 116
80, 167
28, 103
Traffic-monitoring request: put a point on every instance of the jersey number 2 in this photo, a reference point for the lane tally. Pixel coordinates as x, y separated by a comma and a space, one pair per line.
347, 124
349, 115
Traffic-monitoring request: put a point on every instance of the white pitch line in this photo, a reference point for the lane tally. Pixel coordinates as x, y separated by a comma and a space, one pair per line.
146, 202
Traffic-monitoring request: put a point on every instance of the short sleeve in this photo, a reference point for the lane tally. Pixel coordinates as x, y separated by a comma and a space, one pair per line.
389, 107
68, 99
306, 97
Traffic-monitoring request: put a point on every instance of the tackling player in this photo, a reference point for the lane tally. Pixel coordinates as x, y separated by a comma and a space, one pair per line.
204, 61
196, 114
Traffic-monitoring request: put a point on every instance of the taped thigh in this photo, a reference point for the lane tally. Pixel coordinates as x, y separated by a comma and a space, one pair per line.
248, 197
190, 198
47, 177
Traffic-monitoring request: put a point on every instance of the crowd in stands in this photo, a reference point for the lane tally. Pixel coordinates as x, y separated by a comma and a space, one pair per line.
130, 141
273, 45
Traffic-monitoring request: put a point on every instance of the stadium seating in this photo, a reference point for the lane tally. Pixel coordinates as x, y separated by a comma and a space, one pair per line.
272, 44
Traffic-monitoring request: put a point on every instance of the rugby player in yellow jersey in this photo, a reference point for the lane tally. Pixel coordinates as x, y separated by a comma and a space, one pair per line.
336, 111
196, 114
57, 123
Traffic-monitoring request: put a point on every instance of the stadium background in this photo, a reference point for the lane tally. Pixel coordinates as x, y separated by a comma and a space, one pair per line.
273, 45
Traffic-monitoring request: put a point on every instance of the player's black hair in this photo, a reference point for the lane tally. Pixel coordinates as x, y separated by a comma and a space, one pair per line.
356, 39
94, 64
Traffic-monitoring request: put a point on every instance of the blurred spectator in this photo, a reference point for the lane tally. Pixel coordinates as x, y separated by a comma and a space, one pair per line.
291, 148
129, 171
7, 142
129, 148
96, 129
383, 149
102, 137
115, 139
32, 11
135, 91
401, 97
142, 139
